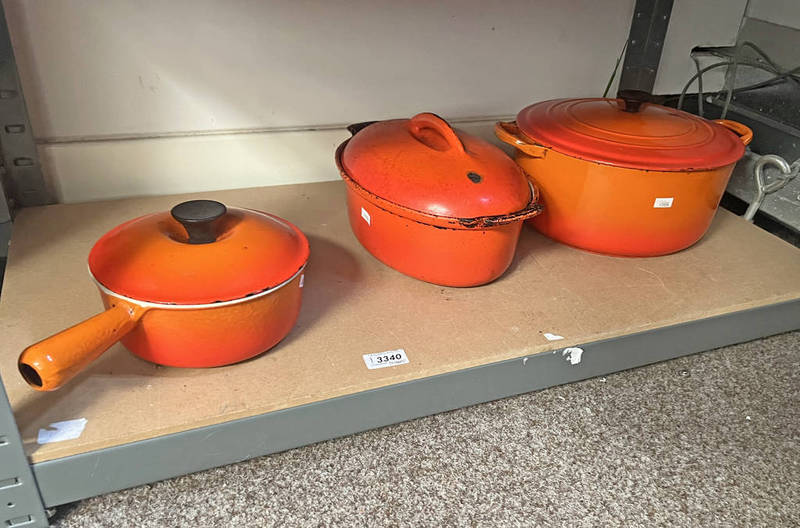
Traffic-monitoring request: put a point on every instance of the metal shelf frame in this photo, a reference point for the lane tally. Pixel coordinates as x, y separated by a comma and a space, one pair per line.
21, 180
47, 484
26, 489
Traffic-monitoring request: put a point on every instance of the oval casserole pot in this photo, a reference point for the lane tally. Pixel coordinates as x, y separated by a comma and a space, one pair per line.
443, 250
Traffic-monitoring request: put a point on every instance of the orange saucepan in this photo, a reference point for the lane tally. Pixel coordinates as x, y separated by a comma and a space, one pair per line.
432, 202
622, 177
200, 286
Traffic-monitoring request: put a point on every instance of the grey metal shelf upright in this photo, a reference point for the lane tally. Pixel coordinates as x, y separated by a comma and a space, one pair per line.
26, 489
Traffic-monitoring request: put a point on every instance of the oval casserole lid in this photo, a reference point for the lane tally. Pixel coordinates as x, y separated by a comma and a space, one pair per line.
152, 258
654, 138
424, 165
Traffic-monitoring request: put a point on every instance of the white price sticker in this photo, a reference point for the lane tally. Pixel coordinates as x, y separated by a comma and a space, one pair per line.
365, 216
663, 203
389, 358
60, 431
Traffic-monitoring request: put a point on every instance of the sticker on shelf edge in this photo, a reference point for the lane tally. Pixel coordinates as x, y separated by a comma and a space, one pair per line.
573, 355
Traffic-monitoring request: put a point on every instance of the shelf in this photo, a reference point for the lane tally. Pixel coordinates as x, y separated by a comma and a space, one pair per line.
464, 345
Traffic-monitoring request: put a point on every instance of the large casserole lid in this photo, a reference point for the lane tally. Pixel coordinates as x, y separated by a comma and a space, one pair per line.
650, 136
200, 252
424, 165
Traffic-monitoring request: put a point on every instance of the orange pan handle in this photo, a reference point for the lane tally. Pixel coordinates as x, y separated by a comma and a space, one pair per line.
50, 363
426, 120
744, 132
508, 132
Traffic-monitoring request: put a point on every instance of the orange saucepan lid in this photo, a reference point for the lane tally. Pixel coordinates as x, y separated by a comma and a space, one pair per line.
425, 166
198, 253
633, 134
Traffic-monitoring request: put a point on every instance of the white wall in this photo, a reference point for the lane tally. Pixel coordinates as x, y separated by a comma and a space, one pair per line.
774, 25
144, 72
781, 12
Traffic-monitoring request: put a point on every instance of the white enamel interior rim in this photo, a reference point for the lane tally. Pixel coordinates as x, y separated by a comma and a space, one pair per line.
165, 306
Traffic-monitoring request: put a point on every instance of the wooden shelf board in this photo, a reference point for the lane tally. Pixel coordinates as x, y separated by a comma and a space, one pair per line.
353, 305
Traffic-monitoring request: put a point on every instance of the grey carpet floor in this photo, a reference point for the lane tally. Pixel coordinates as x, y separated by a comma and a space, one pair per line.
707, 440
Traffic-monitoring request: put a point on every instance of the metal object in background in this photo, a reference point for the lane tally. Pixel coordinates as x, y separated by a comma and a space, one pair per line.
787, 173
22, 180
774, 132
20, 503
762, 90
645, 42
770, 135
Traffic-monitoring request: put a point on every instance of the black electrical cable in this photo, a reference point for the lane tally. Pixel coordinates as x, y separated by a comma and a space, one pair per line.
616, 67
730, 79
697, 75
699, 87
770, 67
787, 74
767, 58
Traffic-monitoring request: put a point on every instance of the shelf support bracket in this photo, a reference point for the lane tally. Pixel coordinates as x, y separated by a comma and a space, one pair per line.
20, 502
21, 175
645, 43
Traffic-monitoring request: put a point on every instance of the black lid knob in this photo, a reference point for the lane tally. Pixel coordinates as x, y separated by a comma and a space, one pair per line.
199, 218
633, 99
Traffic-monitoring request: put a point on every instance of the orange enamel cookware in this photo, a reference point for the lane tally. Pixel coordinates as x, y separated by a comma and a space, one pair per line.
200, 286
432, 202
624, 177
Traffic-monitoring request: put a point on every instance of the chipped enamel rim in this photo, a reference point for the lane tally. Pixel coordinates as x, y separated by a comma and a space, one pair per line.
167, 306
530, 210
